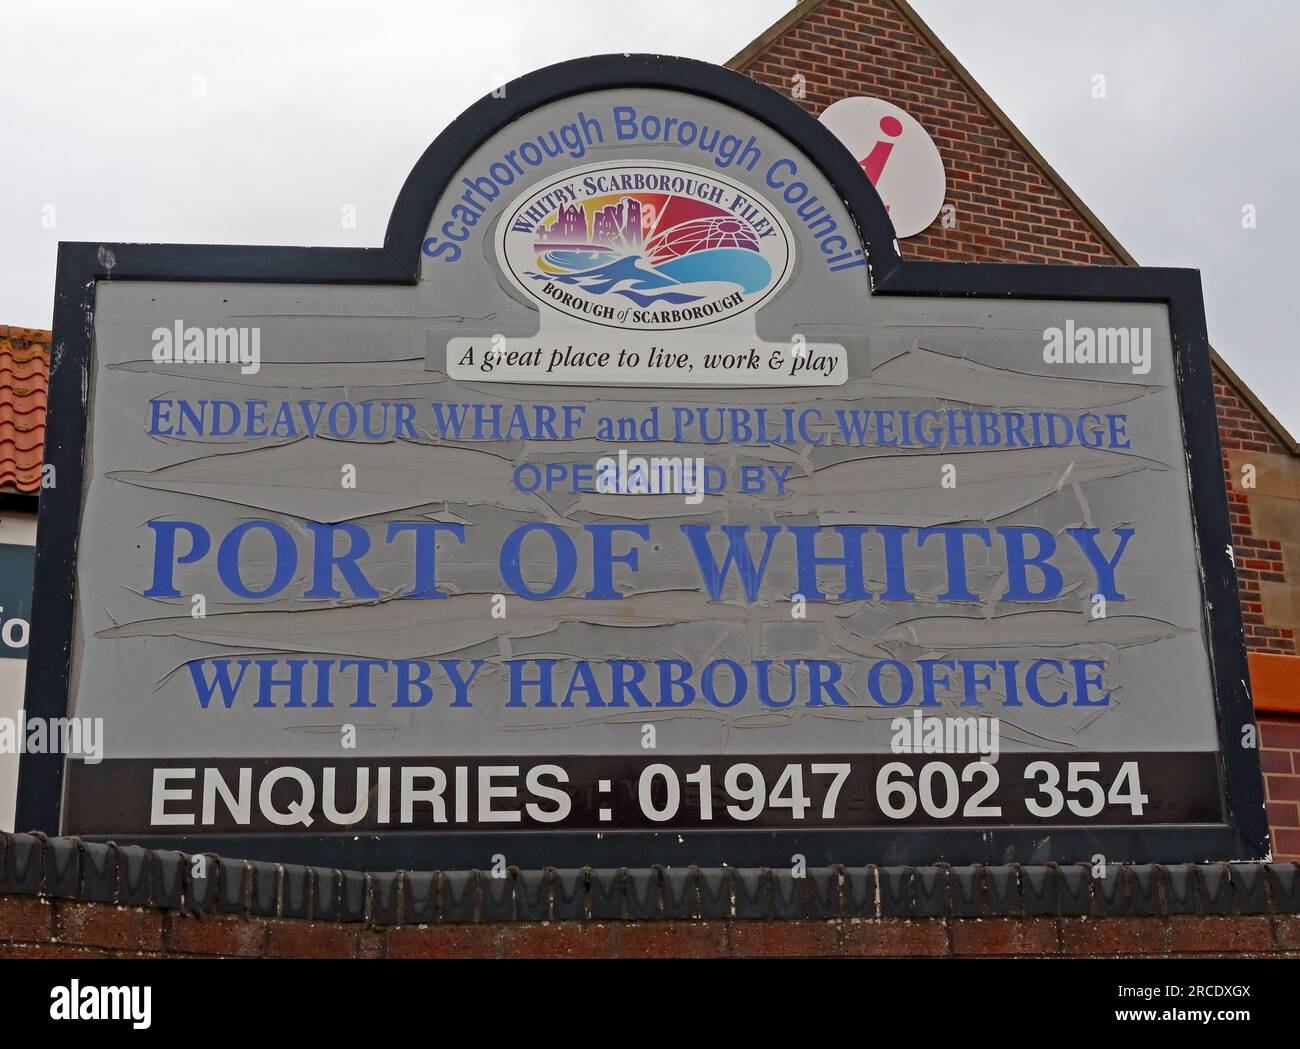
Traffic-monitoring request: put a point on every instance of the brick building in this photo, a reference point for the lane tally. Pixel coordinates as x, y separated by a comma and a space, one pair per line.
1010, 206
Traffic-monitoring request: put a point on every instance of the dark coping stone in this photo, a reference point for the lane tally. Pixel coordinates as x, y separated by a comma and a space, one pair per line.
200, 882
569, 894
642, 889
133, 886
896, 895
859, 899
753, 893
1284, 880
98, 873
821, 893
788, 893
325, 894
715, 892
498, 897
264, 895
231, 886
295, 891
1180, 888
1074, 883
1144, 889
532, 896
354, 893
62, 867
421, 897
1110, 894
966, 891
384, 891
681, 892
607, 893
1040, 888
930, 889
1249, 887
1215, 885
1002, 890
168, 876
24, 863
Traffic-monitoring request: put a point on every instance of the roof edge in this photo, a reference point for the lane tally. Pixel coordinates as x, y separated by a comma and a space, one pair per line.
778, 28
1239, 386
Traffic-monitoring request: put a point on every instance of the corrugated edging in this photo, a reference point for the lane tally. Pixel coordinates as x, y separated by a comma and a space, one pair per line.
129, 875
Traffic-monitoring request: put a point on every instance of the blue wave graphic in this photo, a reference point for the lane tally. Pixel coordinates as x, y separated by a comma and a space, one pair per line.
641, 282
575, 259
733, 265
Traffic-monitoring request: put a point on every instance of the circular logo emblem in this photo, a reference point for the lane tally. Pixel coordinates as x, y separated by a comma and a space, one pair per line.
645, 246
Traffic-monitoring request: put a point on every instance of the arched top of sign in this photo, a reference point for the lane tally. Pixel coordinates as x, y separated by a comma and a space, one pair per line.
657, 209
434, 173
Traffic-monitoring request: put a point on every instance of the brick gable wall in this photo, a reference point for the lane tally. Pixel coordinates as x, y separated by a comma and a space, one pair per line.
1246, 440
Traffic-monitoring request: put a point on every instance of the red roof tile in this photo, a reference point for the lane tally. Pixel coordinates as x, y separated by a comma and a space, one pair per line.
24, 378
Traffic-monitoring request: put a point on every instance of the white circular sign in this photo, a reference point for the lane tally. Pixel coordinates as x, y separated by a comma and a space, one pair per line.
898, 156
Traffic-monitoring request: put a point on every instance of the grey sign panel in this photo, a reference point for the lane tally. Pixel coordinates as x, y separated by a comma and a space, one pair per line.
638, 525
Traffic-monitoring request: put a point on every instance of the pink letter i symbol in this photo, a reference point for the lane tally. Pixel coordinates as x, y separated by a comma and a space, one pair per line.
874, 162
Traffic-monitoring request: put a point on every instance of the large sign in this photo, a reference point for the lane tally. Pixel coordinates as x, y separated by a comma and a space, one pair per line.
636, 503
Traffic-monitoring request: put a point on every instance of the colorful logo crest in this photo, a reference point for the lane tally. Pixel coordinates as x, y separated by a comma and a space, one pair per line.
645, 246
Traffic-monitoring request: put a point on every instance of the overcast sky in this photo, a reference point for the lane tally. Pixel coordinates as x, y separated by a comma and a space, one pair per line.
233, 121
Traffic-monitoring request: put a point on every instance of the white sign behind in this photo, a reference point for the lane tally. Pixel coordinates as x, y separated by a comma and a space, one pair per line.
896, 154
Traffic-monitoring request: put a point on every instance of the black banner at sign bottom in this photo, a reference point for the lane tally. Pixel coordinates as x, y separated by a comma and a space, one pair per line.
641, 792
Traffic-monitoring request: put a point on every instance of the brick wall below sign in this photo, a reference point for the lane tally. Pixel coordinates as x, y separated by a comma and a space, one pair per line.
38, 927
60, 897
